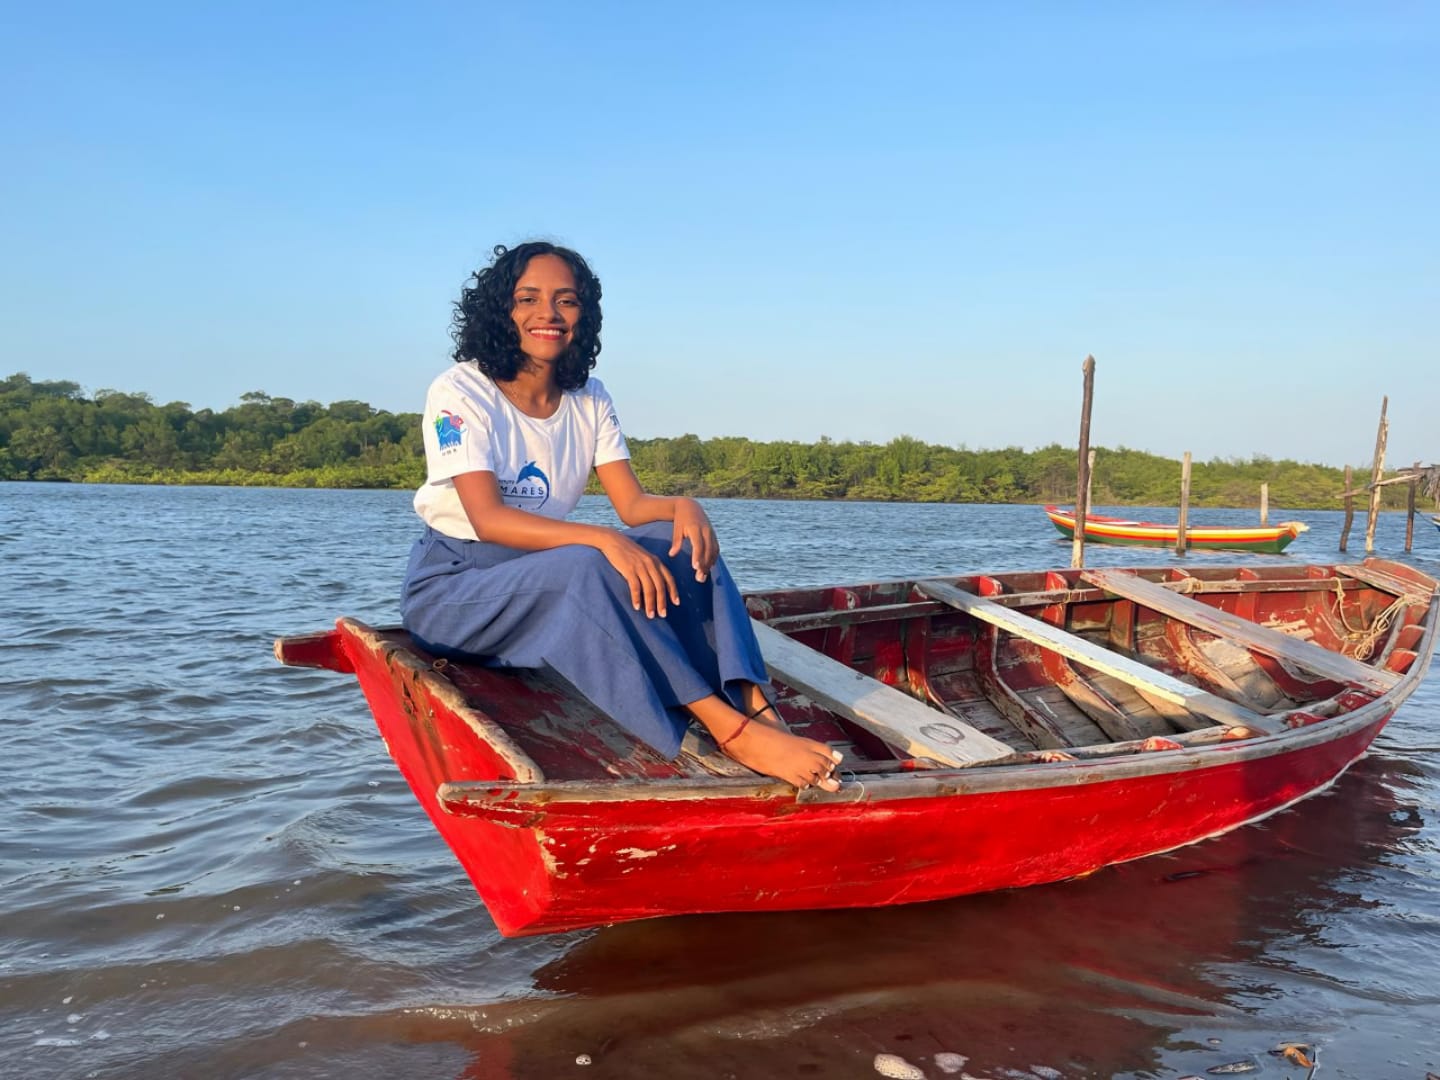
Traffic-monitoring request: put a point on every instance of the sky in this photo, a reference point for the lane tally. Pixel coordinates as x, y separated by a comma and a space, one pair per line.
853, 220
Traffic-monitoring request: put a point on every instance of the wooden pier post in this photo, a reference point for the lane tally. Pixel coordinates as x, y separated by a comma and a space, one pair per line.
1349, 508
1410, 508
1264, 504
1181, 541
1377, 470
1082, 476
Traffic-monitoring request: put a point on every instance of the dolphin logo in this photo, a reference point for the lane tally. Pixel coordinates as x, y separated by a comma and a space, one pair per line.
530, 489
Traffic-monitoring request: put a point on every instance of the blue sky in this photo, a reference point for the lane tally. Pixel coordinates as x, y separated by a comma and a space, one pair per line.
853, 220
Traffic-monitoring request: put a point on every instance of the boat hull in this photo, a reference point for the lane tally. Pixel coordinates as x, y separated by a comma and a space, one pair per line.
588, 863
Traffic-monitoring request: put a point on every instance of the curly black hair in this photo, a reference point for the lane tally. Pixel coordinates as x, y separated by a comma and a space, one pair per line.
484, 332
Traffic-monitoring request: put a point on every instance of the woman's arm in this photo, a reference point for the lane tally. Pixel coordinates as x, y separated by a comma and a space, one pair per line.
651, 583
636, 506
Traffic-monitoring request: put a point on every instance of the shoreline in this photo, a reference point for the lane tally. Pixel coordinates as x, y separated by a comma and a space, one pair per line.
206, 480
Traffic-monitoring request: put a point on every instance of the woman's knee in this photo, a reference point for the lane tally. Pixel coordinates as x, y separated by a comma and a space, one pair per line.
584, 573
657, 538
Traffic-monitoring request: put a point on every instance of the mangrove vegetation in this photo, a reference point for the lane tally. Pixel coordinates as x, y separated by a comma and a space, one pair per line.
53, 431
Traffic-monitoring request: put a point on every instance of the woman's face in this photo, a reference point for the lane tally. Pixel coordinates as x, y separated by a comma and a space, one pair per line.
546, 308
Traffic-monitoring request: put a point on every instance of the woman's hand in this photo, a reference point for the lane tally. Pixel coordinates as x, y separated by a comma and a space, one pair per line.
692, 524
652, 586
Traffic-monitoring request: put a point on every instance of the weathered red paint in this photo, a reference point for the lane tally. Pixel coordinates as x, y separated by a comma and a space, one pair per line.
612, 862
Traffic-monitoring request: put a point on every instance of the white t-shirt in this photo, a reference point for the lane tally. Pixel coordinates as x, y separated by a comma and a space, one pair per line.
541, 465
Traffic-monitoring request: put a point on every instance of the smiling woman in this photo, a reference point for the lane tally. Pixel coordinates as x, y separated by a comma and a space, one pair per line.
645, 621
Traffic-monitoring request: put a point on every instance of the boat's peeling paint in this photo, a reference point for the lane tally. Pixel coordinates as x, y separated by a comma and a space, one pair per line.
547, 857
636, 853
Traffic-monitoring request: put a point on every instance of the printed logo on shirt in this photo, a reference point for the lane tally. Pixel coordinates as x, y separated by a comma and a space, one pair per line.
528, 491
450, 429
613, 420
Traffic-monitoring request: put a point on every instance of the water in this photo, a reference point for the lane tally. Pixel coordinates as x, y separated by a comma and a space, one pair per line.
209, 866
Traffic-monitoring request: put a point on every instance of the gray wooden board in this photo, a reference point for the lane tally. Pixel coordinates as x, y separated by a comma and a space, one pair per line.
1303, 654
892, 715
1379, 579
1076, 648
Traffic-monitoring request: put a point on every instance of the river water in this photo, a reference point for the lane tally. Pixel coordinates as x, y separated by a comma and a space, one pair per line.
209, 867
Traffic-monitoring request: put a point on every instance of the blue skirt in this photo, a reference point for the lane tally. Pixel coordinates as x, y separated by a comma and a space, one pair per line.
569, 610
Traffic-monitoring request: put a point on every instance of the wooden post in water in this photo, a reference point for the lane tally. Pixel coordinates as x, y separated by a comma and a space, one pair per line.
1089, 479
1377, 470
1180, 539
1264, 504
1349, 508
1082, 477
1410, 508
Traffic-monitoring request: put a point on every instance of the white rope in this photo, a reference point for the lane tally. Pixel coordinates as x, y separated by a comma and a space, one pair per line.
1364, 638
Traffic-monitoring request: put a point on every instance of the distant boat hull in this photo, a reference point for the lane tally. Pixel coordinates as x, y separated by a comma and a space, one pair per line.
1267, 539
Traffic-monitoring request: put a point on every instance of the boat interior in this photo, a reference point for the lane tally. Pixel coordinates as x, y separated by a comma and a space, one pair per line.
1031, 667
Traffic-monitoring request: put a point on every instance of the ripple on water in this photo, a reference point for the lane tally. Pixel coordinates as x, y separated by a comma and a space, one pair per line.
212, 858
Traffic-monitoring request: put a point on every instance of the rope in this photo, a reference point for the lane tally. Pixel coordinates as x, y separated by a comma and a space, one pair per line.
1364, 638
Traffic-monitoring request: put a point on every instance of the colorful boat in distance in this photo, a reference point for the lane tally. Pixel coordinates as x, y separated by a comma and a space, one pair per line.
997, 731
1267, 539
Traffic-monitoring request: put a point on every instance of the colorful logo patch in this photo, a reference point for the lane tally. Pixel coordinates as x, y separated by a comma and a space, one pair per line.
450, 429
528, 491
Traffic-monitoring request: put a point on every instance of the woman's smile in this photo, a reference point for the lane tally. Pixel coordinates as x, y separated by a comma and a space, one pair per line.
546, 307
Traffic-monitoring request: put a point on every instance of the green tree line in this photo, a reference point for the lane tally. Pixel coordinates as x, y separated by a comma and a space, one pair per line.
52, 431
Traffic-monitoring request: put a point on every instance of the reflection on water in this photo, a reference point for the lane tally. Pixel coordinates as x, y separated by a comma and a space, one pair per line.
210, 867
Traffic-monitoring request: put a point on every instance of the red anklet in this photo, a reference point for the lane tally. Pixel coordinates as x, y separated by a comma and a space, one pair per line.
734, 734
743, 725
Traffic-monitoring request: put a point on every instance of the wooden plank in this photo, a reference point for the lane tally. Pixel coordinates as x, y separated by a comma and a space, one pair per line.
817, 620
1028, 715
1384, 582
1303, 654
919, 609
1103, 712
894, 716
1101, 659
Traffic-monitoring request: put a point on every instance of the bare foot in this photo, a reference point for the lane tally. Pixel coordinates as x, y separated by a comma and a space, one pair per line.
802, 762
772, 751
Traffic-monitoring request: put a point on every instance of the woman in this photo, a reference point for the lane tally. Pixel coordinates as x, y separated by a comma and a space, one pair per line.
646, 622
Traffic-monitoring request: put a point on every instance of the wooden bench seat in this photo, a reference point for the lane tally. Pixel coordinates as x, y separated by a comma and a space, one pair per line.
1305, 655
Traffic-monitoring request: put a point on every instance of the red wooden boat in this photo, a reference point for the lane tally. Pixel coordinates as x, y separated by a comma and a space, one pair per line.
998, 731
1271, 539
